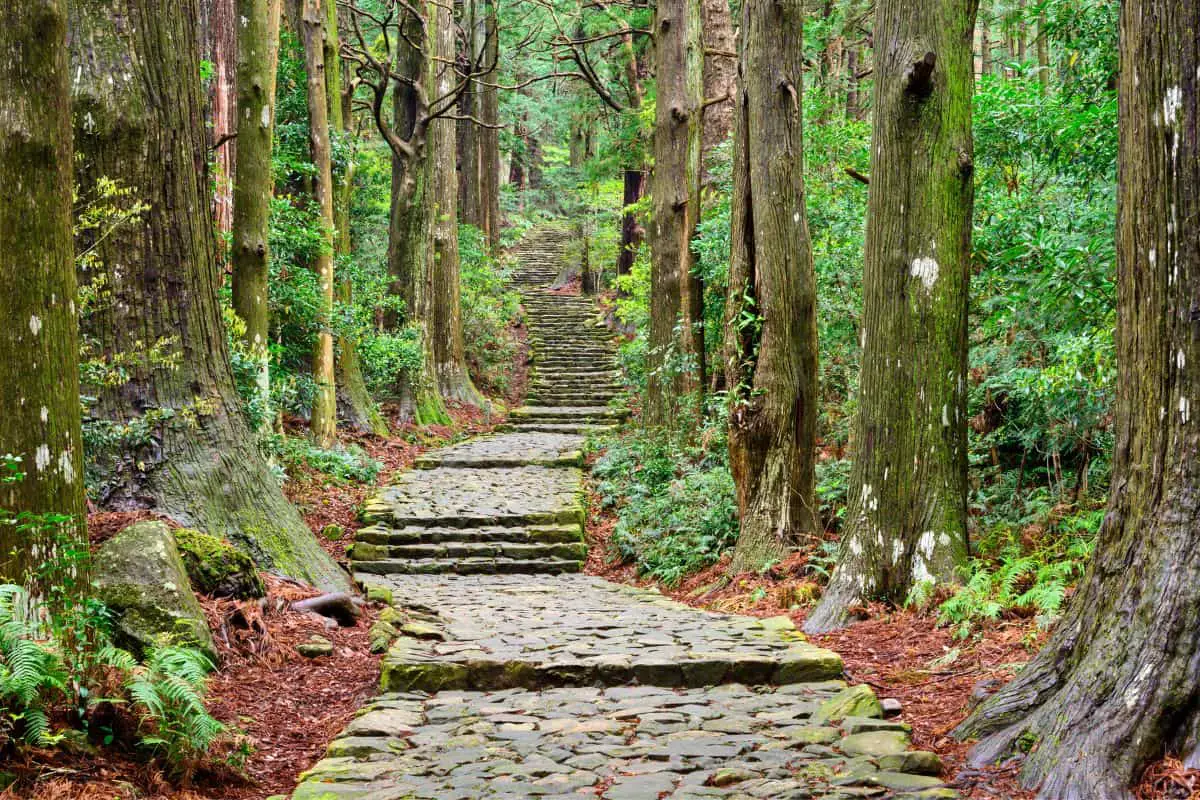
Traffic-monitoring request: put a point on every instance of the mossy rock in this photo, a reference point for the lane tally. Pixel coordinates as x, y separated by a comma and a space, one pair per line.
216, 567
855, 701
141, 577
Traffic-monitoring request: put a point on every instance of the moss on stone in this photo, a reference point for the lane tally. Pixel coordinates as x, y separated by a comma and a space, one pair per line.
217, 568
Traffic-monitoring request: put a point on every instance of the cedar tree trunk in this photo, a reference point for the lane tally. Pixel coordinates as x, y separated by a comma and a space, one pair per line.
1117, 684
138, 121
771, 323
676, 362
907, 519
450, 361
258, 57
323, 426
39, 347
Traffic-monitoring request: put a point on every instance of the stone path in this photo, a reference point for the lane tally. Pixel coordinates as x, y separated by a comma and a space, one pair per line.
503, 677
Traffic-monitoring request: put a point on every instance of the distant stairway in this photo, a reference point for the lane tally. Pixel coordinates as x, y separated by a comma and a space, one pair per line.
511, 502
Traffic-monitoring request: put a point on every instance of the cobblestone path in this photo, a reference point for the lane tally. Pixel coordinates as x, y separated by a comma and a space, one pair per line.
506, 677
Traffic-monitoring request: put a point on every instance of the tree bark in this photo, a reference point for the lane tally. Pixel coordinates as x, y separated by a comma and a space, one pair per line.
138, 121
720, 73
1116, 685
410, 238
323, 425
354, 404
39, 348
1043, 54
258, 57
906, 521
489, 137
770, 322
631, 230
676, 294
449, 352
469, 181
221, 33
985, 37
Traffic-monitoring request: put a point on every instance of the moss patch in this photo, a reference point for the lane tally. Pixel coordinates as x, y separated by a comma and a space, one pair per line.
215, 567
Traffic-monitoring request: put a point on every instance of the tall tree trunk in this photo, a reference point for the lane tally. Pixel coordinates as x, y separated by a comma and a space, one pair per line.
220, 31
258, 57
489, 136
323, 426
410, 238
676, 298
985, 37
720, 73
853, 103
138, 121
39, 348
907, 518
469, 198
631, 230
1116, 685
449, 352
1043, 53
354, 403
770, 318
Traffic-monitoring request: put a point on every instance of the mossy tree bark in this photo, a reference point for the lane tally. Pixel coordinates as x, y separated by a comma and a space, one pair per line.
138, 121
354, 403
323, 425
410, 232
39, 347
771, 323
720, 73
676, 346
489, 134
1116, 685
449, 351
258, 57
906, 521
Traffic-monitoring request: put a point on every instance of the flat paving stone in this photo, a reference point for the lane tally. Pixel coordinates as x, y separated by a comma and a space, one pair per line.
588, 742
510, 450
463, 497
535, 631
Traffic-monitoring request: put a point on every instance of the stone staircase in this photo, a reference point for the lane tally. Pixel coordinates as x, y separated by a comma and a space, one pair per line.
540, 256
509, 503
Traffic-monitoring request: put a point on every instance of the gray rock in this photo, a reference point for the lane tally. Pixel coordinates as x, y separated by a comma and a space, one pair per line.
141, 577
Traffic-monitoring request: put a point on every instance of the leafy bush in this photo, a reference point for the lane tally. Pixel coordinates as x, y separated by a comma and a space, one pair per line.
32, 673
167, 690
676, 508
1023, 578
488, 308
349, 464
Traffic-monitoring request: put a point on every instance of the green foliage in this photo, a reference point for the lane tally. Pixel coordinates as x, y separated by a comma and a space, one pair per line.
32, 674
488, 309
676, 505
348, 464
1021, 578
167, 690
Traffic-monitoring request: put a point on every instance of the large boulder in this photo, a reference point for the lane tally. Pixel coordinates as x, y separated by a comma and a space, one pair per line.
216, 567
142, 579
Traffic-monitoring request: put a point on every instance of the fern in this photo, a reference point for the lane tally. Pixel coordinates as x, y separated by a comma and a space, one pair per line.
168, 689
31, 672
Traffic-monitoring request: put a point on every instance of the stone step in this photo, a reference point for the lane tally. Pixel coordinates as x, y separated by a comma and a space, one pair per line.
517, 551
570, 413
559, 427
569, 401
544, 534
481, 566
